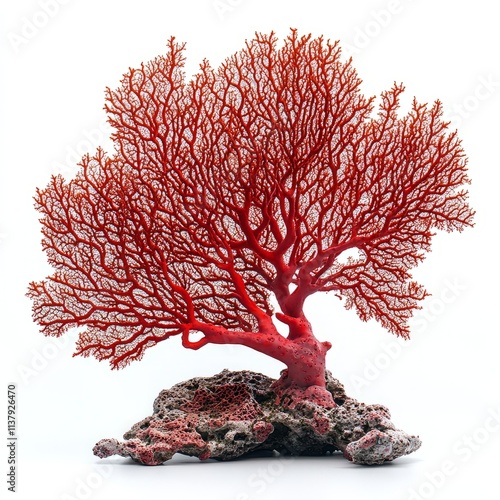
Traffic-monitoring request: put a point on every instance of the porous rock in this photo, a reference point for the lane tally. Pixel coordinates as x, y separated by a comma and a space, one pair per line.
233, 414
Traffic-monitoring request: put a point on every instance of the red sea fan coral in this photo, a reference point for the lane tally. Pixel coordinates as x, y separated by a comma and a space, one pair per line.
249, 181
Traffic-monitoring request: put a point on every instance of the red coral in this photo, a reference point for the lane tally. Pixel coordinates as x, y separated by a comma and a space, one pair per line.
249, 181
158, 442
225, 403
262, 430
321, 424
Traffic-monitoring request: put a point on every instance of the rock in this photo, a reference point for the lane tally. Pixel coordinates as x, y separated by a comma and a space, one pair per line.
233, 414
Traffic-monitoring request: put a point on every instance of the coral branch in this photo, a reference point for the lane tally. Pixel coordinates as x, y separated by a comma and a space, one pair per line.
257, 183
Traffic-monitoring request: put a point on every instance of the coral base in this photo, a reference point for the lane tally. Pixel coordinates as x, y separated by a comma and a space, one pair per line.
233, 414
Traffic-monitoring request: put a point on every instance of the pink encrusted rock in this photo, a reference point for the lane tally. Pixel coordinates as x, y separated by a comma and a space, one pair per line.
233, 414
262, 430
156, 441
377, 447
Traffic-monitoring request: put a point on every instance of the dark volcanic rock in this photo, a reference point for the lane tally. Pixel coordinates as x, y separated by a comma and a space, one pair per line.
234, 413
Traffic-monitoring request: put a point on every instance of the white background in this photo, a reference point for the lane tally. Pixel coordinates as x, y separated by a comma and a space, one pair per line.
442, 385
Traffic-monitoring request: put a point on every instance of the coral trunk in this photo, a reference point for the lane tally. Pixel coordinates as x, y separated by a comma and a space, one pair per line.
303, 355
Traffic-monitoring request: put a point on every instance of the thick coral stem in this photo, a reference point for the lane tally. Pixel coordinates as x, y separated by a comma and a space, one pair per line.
303, 355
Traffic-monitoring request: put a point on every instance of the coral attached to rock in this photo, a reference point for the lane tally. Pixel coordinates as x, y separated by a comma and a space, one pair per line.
233, 414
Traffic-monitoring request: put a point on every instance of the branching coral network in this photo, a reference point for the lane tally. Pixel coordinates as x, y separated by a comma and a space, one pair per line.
241, 188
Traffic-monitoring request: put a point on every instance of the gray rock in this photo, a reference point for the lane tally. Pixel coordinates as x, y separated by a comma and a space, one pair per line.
233, 414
